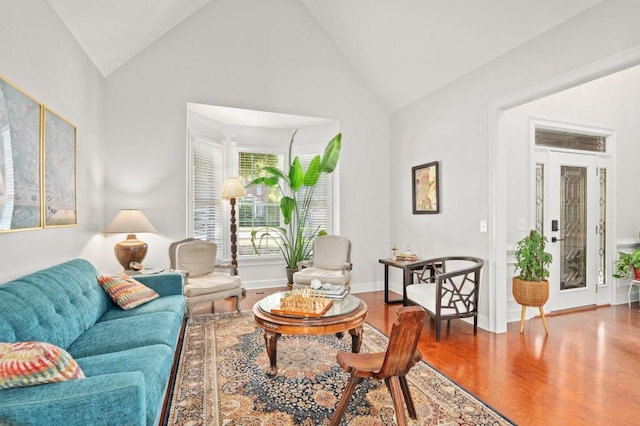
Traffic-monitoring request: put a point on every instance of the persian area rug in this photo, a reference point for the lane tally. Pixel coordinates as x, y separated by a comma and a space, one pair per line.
221, 380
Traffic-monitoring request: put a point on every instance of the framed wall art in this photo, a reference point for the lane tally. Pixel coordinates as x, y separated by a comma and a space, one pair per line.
20, 160
426, 188
59, 171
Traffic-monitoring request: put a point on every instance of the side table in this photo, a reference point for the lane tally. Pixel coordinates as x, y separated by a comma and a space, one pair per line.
633, 282
407, 272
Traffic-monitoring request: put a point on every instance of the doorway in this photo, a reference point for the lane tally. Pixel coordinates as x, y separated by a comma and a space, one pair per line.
570, 203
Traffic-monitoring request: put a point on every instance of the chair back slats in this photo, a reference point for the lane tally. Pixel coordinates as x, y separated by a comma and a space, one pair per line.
403, 340
448, 288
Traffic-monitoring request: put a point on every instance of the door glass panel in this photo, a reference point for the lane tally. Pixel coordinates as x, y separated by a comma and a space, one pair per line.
540, 198
567, 140
573, 215
602, 228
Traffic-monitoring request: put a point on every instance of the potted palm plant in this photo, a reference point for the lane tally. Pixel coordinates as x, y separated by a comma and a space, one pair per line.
297, 187
626, 263
530, 286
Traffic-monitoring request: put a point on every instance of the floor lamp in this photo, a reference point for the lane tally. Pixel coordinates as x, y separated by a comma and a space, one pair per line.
233, 189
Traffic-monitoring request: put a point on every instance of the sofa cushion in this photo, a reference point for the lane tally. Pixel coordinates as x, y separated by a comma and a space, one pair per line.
34, 363
54, 305
125, 291
154, 362
128, 333
173, 304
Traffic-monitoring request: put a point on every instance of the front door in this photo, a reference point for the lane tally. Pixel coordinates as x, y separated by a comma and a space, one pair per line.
571, 228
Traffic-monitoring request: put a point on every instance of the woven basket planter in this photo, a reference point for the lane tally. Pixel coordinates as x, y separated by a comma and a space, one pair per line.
530, 293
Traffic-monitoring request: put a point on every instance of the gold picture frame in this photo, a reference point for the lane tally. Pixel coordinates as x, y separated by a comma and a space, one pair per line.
20, 159
60, 204
426, 188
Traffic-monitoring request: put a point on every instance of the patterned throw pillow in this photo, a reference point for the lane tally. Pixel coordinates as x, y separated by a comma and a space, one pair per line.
35, 363
125, 291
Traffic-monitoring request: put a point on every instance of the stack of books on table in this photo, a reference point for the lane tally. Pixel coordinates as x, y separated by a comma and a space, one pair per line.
334, 292
407, 257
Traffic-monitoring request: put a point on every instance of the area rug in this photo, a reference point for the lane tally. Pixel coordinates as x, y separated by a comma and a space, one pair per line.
221, 380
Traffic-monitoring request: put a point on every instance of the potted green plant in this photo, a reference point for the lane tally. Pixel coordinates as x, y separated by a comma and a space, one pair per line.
626, 263
530, 286
297, 187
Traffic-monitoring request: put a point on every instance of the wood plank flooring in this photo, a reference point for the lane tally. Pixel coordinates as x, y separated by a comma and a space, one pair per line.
585, 372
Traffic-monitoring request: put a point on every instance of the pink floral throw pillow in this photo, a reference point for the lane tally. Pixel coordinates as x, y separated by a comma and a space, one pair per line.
125, 291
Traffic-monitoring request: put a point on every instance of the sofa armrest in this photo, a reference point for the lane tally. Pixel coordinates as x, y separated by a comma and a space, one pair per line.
112, 399
168, 284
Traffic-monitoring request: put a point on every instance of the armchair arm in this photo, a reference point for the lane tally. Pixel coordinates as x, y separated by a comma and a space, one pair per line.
117, 398
304, 264
347, 266
229, 266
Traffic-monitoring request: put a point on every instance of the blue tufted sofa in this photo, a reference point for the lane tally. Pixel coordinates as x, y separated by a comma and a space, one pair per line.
126, 356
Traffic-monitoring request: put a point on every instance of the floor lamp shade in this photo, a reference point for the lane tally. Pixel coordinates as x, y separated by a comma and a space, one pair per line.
129, 221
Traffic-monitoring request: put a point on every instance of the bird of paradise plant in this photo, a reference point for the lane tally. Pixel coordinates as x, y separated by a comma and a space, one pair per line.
297, 187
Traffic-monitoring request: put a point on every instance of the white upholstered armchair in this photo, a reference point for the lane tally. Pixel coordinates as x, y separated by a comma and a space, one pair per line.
330, 263
203, 283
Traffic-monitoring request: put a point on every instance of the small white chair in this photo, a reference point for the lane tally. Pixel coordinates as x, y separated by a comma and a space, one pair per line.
330, 263
197, 260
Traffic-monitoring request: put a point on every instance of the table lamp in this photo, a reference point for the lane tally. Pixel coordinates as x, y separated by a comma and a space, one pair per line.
233, 189
129, 222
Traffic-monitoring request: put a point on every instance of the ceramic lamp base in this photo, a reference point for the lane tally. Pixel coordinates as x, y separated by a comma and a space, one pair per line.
130, 250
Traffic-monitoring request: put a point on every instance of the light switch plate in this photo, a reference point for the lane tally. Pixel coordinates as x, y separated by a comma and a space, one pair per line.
522, 224
483, 226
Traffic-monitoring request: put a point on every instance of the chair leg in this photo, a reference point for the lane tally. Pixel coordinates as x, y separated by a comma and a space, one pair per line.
344, 400
213, 307
238, 303
438, 329
475, 324
407, 397
396, 395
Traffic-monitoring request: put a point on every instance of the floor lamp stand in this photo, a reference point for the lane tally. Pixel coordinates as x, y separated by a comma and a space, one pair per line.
234, 239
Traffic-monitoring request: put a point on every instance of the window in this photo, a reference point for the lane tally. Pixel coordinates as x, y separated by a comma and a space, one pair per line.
261, 206
206, 216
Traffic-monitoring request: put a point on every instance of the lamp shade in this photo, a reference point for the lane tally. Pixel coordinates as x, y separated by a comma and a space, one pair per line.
233, 188
129, 221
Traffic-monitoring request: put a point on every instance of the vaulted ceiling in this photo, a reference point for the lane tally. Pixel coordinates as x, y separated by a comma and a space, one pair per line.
402, 49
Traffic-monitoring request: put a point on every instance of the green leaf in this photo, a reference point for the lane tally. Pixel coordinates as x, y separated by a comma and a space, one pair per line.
331, 154
295, 175
313, 172
287, 206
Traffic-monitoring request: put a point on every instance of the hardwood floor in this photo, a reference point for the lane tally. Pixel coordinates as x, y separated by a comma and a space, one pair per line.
586, 371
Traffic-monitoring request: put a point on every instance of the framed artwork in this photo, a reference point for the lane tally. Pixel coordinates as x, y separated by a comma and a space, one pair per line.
426, 188
59, 171
20, 160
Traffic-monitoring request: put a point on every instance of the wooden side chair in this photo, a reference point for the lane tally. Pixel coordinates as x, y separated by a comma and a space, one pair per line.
390, 366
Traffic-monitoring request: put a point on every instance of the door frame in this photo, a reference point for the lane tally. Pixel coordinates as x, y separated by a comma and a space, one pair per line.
605, 292
499, 270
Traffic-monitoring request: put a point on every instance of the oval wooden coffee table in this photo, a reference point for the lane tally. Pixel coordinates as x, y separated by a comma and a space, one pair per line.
346, 314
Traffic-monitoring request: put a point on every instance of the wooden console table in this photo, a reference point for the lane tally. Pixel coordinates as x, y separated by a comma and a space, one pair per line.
407, 272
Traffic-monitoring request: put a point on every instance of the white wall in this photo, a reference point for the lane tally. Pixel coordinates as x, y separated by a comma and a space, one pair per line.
453, 125
40, 56
267, 56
